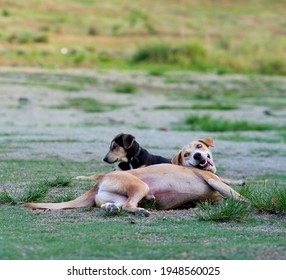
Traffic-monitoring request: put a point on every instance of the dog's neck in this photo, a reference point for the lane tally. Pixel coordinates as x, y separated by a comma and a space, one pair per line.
133, 155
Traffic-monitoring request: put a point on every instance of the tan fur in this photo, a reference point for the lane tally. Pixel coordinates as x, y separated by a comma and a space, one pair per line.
191, 149
209, 142
116, 154
171, 185
185, 155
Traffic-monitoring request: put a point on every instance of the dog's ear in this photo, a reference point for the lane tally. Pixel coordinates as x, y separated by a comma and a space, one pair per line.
128, 140
177, 159
209, 141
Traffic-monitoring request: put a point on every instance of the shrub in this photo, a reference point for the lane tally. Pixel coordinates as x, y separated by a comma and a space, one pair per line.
6, 13
25, 38
185, 54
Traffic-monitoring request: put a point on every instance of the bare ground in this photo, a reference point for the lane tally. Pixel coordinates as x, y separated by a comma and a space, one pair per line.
35, 131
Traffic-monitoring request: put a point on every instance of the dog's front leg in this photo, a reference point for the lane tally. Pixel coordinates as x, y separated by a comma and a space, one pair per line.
224, 189
232, 182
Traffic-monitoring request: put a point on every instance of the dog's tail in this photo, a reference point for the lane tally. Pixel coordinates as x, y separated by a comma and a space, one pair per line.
85, 200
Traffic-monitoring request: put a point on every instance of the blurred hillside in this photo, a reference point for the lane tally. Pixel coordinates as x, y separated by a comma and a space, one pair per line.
223, 36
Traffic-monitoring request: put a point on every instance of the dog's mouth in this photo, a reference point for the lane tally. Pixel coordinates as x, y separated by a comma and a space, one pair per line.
205, 163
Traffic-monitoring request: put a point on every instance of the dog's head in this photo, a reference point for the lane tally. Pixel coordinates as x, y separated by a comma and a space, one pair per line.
197, 154
118, 148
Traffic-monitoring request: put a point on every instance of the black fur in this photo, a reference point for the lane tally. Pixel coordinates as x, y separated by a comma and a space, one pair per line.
136, 155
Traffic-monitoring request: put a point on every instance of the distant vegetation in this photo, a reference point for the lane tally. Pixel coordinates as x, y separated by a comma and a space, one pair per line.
221, 36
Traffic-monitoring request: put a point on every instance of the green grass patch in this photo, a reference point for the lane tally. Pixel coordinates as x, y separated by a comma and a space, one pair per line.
225, 210
208, 123
87, 104
223, 107
34, 192
239, 137
125, 88
269, 197
164, 53
58, 182
214, 106
172, 107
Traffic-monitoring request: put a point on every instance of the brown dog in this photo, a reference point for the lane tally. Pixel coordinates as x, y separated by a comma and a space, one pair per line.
171, 186
198, 154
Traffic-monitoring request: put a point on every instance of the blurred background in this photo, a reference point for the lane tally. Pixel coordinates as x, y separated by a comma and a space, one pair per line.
212, 35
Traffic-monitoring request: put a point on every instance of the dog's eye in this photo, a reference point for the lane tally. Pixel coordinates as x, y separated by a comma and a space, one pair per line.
199, 146
186, 154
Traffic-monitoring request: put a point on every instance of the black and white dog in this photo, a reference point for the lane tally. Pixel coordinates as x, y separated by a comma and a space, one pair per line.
130, 155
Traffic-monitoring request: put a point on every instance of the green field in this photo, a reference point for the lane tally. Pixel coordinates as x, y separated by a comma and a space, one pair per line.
219, 36
92, 234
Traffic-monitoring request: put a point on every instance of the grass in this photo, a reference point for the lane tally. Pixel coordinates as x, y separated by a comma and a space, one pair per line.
87, 104
43, 235
223, 107
239, 137
214, 106
224, 211
62, 82
253, 91
208, 123
34, 192
126, 88
192, 54
140, 36
268, 198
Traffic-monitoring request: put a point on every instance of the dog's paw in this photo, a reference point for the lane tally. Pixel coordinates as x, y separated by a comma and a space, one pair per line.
142, 211
111, 208
241, 182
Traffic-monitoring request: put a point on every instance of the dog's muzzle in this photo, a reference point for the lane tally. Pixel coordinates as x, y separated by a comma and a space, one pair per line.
203, 162
108, 160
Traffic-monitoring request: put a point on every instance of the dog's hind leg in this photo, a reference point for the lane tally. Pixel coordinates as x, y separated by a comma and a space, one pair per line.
110, 201
137, 190
124, 190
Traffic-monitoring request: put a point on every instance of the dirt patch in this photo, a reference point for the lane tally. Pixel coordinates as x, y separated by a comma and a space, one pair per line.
34, 130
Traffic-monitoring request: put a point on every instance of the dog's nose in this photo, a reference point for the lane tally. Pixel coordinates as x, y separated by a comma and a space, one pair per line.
106, 159
197, 156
